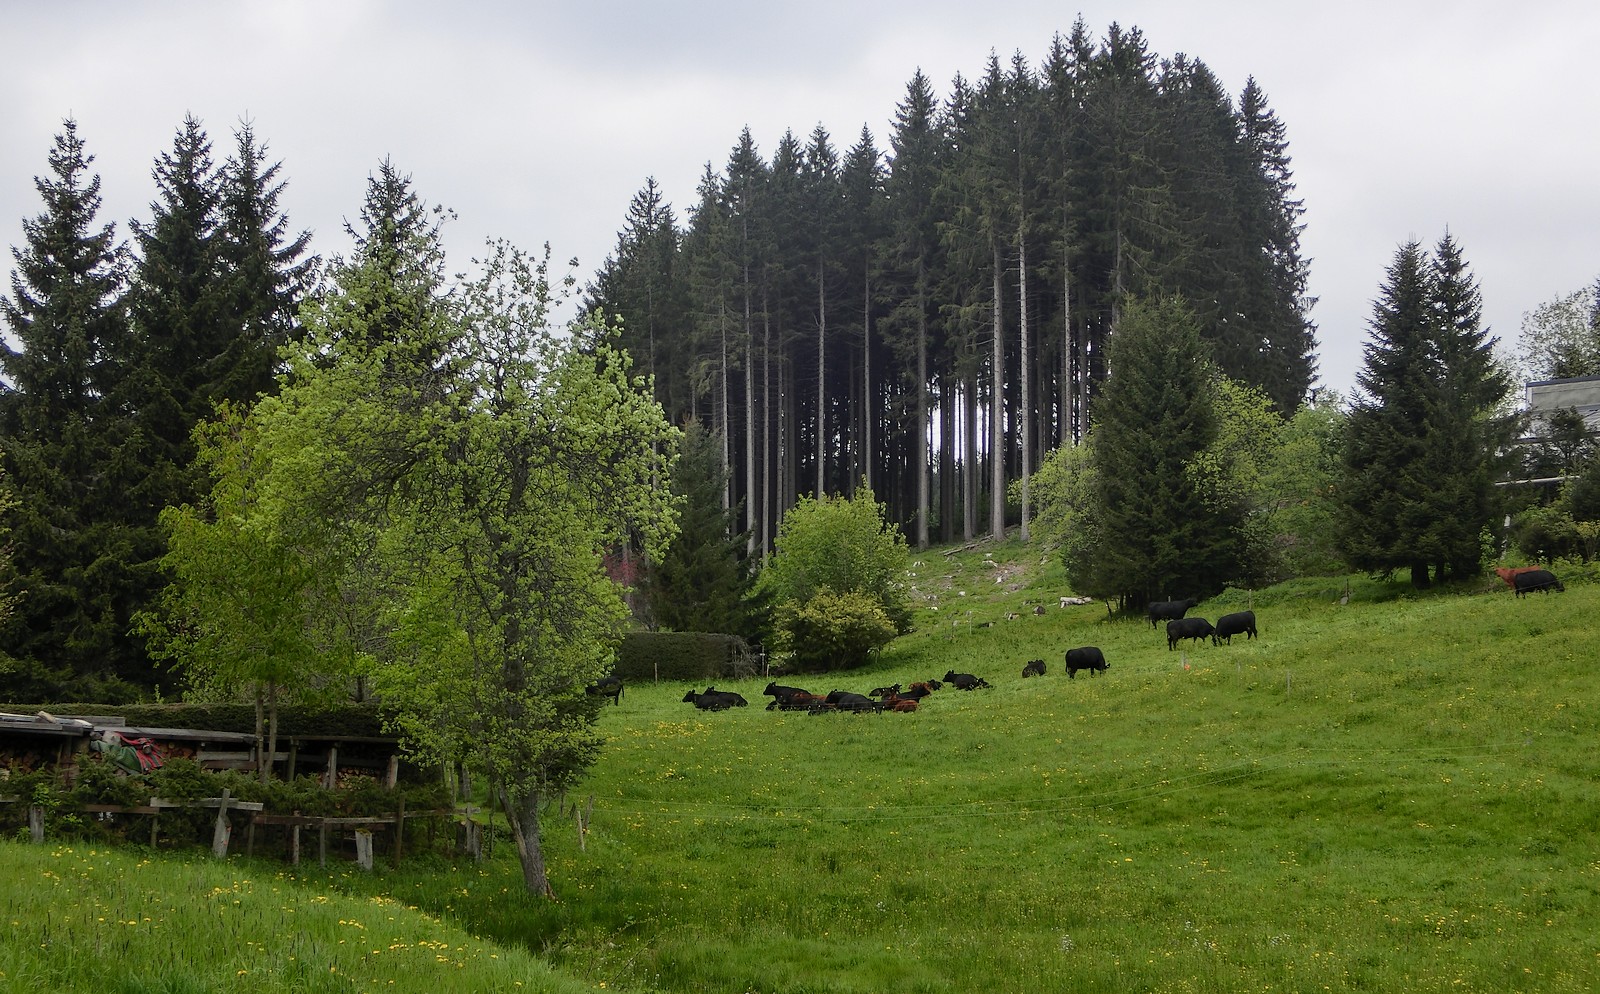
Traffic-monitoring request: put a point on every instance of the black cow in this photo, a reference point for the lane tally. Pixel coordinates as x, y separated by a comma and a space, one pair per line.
965, 681
715, 700
1187, 628
1087, 657
1237, 623
609, 686
1538, 579
844, 700
783, 698
1033, 667
1169, 610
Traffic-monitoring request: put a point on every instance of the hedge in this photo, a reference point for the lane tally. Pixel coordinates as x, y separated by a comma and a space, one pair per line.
648, 656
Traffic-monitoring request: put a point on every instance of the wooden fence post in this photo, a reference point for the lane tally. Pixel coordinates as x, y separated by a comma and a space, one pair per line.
364, 848
399, 831
36, 822
219, 836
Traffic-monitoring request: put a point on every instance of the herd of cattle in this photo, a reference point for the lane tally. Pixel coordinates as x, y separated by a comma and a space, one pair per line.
1523, 580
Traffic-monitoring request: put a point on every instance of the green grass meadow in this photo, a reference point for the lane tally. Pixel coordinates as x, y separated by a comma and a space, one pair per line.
1397, 793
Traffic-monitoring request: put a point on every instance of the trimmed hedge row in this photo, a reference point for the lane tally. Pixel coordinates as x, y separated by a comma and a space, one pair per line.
344, 720
680, 656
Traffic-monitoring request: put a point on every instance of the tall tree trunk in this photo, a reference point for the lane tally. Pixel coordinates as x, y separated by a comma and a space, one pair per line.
920, 457
522, 814
949, 442
727, 427
822, 381
752, 505
867, 426
969, 457
1024, 404
262, 766
769, 500
997, 403
272, 730
1069, 355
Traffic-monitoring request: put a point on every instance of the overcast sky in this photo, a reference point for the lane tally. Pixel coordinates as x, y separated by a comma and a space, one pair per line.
537, 121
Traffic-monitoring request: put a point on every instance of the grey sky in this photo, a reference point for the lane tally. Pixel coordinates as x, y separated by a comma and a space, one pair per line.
538, 121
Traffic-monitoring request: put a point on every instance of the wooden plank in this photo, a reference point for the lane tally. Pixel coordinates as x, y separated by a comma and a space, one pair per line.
223, 830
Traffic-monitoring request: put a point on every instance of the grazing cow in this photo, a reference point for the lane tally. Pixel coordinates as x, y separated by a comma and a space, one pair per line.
1509, 574
715, 700
608, 686
965, 681
782, 696
1187, 628
1237, 623
1033, 667
1169, 610
1088, 657
1538, 579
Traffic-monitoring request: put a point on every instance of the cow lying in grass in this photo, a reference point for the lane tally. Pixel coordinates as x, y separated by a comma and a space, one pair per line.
783, 697
1033, 667
715, 700
965, 681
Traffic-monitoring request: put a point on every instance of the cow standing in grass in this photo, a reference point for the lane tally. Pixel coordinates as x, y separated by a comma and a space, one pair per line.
1237, 623
1188, 628
1088, 657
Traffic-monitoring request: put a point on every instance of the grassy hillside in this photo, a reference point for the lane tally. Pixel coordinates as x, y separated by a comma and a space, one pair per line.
1389, 793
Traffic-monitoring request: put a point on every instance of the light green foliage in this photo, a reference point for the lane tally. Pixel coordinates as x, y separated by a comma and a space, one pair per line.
1297, 479
1068, 513
430, 502
1561, 337
840, 545
833, 631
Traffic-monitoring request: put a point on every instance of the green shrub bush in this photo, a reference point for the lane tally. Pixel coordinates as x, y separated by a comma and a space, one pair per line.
647, 656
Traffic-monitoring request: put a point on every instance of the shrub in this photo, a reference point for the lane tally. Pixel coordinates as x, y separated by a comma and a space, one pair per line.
678, 655
833, 631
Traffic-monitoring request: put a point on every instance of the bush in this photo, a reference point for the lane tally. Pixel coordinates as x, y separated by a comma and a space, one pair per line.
679, 655
833, 631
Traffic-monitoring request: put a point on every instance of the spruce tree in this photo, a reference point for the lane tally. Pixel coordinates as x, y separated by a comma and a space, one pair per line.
183, 321
1387, 500
267, 268
1167, 526
68, 438
701, 583
1468, 432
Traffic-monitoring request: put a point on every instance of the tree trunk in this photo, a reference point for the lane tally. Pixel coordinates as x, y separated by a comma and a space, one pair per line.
997, 404
867, 427
727, 429
822, 381
261, 734
769, 504
752, 507
969, 457
920, 457
272, 730
522, 814
1024, 407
